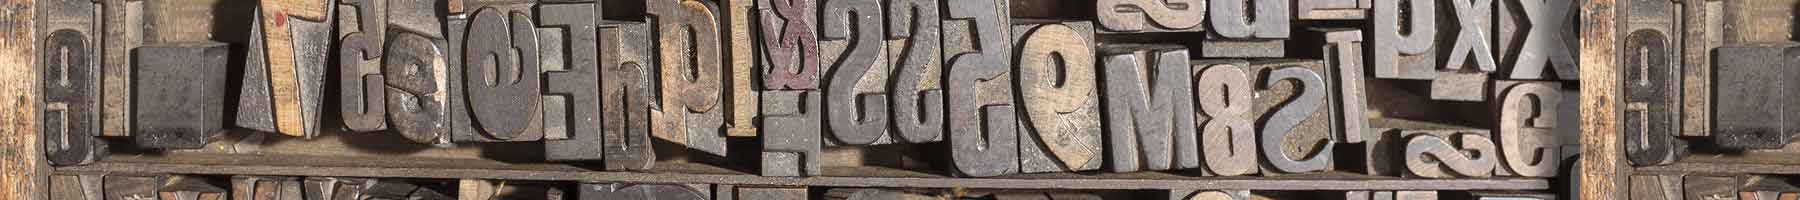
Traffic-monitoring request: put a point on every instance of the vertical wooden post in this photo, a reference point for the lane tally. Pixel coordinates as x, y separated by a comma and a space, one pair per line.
23, 170
1601, 167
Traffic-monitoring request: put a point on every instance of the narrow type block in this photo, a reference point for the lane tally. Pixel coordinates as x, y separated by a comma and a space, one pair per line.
76, 187
123, 27
1332, 9
1149, 106
579, 83
692, 110
793, 141
1226, 119
1059, 91
181, 91
266, 188
1649, 87
189, 188
120, 186
1345, 71
915, 43
856, 70
417, 67
740, 56
983, 126
1703, 31
69, 80
1656, 187
1296, 131
1701, 187
360, 89
627, 95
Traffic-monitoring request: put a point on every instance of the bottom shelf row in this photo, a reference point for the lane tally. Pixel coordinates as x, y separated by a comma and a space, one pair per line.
213, 187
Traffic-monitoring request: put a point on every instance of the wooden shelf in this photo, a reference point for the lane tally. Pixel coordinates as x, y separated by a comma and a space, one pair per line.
456, 168
1745, 163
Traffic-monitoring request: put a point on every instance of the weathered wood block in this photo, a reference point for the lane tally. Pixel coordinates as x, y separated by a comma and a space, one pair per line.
741, 57
693, 105
1752, 98
417, 65
883, 194
1149, 106
189, 188
1701, 187
1209, 195
768, 193
1059, 92
76, 187
1332, 9
122, 29
1655, 187
127, 186
1702, 30
282, 89
180, 94
793, 140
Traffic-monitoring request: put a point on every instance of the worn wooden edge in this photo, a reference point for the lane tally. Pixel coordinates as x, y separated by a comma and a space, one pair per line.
1602, 170
684, 173
23, 168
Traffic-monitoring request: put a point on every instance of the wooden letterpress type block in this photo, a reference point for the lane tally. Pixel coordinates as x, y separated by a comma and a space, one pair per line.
502, 87
792, 143
790, 47
1702, 31
1059, 91
123, 25
283, 88
1295, 131
1449, 153
1650, 87
768, 193
76, 187
1129, 16
1149, 106
1209, 195
883, 194
189, 188
627, 95
1247, 31
1757, 21
360, 82
1702, 187
608, 191
979, 89
1471, 44
1344, 69
1399, 53
1533, 35
1757, 187
1047, 196
579, 83
1223, 98
1332, 9
69, 81
1528, 123
118, 186
266, 188
740, 56
856, 70
914, 44
334, 188
1656, 187
181, 94
1751, 95
1509, 195
693, 103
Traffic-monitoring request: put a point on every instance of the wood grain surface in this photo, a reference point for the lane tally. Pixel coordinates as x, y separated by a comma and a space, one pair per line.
23, 173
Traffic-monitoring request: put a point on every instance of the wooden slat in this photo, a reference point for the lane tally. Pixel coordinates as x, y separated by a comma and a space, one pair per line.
1601, 167
23, 171
436, 168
